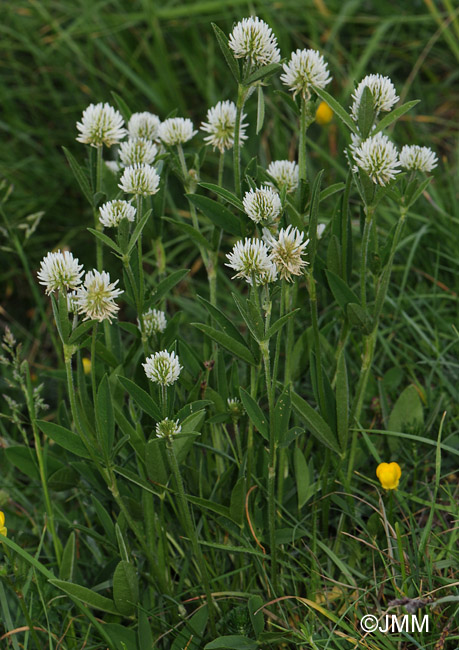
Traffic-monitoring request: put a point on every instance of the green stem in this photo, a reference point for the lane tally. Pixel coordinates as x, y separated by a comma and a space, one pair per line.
364, 254
316, 337
250, 450
221, 168
97, 224
302, 172
191, 530
242, 92
93, 364
271, 467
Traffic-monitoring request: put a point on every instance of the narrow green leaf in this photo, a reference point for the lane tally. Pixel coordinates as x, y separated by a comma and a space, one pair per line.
340, 290
232, 642
165, 286
314, 216
315, 423
88, 596
408, 412
229, 58
359, 317
254, 605
189, 231
105, 420
106, 240
228, 342
237, 502
280, 323
337, 109
122, 106
156, 461
301, 476
68, 559
125, 588
412, 197
141, 398
138, 230
224, 322
190, 636
210, 505
218, 214
342, 402
256, 415
260, 109
394, 115
291, 103
225, 194
64, 437
80, 176
331, 189
80, 331
282, 415
264, 72
367, 113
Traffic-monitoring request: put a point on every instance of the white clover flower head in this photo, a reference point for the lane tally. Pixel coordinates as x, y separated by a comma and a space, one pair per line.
112, 212
101, 125
254, 40
162, 368
235, 407
382, 90
139, 179
286, 251
221, 120
167, 428
250, 258
176, 130
378, 157
137, 150
262, 204
422, 159
154, 321
144, 125
72, 302
285, 174
305, 69
60, 271
96, 299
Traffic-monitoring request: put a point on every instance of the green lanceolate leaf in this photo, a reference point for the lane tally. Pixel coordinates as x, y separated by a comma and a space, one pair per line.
275, 327
125, 588
367, 113
260, 109
156, 461
141, 398
229, 58
64, 437
224, 322
337, 109
80, 331
85, 595
359, 317
68, 559
225, 194
217, 213
191, 232
138, 231
314, 216
340, 290
254, 606
80, 176
106, 240
394, 115
105, 420
342, 402
122, 106
165, 286
408, 412
228, 342
315, 423
301, 476
232, 642
190, 636
237, 503
282, 415
264, 72
256, 415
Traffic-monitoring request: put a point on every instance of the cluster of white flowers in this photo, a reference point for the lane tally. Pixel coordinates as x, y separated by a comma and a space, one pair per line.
136, 151
60, 271
250, 258
286, 251
167, 428
162, 368
101, 125
382, 90
378, 157
253, 39
306, 69
154, 321
415, 158
96, 298
176, 130
262, 204
285, 174
221, 120
144, 125
139, 179
112, 212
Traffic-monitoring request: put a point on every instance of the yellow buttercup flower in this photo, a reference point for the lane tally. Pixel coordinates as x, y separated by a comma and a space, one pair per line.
389, 475
3, 529
86, 365
324, 114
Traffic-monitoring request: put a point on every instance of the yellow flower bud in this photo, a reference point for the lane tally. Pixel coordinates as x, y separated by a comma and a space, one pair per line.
324, 114
389, 475
86, 365
3, 530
